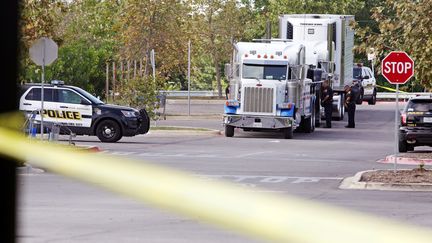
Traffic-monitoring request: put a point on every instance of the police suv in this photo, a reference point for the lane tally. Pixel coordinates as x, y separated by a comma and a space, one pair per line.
365, 79
81, 113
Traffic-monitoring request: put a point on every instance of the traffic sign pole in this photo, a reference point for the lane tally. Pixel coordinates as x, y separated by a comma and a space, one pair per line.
397, 67
42, 90
396, 130
43, 51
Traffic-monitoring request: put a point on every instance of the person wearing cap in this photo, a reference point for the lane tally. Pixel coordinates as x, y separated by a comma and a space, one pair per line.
350, 105
327, 102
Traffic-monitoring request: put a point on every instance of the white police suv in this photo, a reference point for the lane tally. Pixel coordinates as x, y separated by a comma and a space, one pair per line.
82, 113
366, 78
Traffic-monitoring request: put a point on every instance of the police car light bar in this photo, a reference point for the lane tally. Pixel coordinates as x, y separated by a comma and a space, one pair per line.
57, 82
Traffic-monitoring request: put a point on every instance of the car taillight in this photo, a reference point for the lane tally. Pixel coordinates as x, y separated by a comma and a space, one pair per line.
403, 119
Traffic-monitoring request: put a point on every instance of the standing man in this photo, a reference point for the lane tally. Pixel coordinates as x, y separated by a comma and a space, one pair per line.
227, 90
327, 102
350, 105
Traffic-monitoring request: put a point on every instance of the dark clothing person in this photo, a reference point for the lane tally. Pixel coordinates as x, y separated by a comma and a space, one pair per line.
227, 90
350, 105
327, 103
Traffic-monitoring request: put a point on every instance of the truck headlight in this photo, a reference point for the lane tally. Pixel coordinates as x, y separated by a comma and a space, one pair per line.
129, 113
233, 103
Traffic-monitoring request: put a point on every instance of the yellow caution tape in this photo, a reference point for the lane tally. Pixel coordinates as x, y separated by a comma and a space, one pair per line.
261, 215
390, 89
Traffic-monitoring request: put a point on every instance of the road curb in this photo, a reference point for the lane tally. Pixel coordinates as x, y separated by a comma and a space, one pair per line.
354, 183
89, 148
193, 117
405, 161
28, 169
189, 132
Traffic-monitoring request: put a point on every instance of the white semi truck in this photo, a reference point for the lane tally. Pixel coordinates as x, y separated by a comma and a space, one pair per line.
336, 32
274, 83
272, 88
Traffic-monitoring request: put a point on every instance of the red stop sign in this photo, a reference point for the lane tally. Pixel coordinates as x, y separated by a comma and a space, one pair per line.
397, 67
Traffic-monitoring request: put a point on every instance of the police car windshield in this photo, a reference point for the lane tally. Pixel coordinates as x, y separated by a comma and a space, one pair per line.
260, 71
357, 73
89, 96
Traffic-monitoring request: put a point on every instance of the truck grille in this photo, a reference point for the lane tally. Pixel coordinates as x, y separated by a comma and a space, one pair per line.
258, 100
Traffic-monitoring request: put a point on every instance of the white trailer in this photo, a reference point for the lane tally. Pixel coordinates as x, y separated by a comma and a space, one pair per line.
338, 36
269, 88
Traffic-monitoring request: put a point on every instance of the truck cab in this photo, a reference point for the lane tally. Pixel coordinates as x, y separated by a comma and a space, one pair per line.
269, 89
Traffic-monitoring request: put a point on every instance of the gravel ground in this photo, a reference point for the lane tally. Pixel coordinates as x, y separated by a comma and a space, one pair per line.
417, 175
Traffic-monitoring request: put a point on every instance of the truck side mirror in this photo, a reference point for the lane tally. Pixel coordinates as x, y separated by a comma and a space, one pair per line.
228, 71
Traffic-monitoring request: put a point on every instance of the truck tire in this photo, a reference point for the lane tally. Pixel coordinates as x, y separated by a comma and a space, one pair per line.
108, 131
402, 147
372, 100
306, 125
229, 131
288, 133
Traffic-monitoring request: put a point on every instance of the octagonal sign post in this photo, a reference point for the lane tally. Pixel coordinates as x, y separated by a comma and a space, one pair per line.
397, 67
43, 52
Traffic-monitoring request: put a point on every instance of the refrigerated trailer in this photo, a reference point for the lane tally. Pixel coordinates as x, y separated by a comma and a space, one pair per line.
336, 32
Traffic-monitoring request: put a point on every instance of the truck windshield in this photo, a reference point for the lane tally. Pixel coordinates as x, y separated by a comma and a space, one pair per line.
260, 71
357, 73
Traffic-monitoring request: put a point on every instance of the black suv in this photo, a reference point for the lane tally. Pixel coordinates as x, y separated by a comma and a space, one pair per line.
416, 124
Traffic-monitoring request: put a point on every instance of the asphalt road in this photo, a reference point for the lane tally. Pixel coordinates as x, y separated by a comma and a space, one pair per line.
310, 166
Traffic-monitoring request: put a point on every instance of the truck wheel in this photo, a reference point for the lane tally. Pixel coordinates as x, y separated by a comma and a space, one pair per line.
307, 125
108, 131
402, 147
229, 131
372, 101
288, 133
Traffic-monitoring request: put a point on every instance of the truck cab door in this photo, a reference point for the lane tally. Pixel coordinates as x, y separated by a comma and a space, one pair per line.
75, 110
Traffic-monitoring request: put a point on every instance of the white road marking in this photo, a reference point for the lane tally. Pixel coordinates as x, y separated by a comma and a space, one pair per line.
249, 154
258, 179
283, 157
274, 141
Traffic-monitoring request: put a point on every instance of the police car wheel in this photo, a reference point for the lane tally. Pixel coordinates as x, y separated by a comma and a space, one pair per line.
108, 131
402, 147
372, 101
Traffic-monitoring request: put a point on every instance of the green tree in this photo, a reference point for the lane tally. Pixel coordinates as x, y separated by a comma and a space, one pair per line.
402, 25
160, 26
220, 23
39, 18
